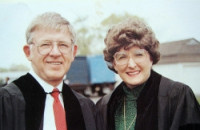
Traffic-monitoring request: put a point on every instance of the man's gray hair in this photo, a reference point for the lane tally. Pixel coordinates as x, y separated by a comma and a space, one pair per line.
49, 20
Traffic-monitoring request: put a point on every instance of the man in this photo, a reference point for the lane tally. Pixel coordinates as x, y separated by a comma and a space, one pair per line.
29, 103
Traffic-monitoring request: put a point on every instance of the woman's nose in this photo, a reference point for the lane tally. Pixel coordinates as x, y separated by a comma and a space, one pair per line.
131, 63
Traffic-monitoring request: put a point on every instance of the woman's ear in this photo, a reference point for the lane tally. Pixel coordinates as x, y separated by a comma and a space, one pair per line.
27, 51
114, 67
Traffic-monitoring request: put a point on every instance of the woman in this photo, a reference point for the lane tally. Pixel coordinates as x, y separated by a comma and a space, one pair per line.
145, 100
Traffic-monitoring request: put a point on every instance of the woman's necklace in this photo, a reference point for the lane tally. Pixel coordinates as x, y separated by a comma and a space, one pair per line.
125, 117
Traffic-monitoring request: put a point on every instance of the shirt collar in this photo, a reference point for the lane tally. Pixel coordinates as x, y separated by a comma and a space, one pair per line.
47, 87
134, 93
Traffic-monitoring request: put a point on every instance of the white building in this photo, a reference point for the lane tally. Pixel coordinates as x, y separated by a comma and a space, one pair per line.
180, 61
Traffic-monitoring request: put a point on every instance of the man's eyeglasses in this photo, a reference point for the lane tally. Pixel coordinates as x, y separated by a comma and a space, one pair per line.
46, 47
122, 58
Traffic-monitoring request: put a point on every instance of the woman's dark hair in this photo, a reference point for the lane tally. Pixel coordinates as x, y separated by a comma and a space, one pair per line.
131, 32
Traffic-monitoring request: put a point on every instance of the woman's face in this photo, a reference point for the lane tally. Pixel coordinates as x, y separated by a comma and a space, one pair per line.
133, 65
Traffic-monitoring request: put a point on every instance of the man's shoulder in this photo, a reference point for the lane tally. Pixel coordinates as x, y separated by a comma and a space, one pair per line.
9, 88
11, 91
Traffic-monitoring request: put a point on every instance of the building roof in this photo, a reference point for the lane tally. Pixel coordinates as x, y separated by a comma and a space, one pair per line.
187, 50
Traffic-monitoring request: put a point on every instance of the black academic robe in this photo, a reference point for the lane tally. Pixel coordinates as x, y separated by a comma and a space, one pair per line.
163, 104
22, 107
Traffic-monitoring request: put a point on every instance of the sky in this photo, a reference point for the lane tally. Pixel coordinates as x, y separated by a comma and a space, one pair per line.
171, 20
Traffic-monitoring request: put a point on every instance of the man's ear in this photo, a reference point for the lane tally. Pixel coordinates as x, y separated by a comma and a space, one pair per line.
75, 48
27, 51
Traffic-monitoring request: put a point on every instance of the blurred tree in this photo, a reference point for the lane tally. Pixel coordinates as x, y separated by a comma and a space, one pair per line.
18, 67
84, 41
90, 38
114, 19
1, 81
14, 67
83, 38
3, 70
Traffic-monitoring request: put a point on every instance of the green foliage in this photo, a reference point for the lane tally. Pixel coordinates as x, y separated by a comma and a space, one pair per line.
114, 19
3, 70
14, 67
19, 67
84, 44
1, 81
198, 98
83, 30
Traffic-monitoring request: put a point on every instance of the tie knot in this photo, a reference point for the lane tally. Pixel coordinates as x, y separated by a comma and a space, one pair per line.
55, 93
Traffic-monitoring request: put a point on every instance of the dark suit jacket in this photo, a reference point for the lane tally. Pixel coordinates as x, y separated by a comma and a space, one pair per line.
22, 107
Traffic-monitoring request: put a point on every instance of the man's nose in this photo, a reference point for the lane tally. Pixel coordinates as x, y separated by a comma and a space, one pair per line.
55, 50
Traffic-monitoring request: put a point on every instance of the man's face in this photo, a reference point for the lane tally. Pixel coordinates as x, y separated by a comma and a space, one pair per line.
53, 66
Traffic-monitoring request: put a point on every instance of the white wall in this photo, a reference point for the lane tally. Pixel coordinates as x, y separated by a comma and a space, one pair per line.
188, 73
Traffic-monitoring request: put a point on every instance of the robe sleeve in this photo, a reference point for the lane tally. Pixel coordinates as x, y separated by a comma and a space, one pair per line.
88, 110
12, 108
184, 108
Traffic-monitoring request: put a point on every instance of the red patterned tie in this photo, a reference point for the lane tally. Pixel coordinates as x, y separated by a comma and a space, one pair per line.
59, 111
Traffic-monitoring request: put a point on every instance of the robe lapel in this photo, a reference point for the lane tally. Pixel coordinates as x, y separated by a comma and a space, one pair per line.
74, 116
34, 96
147, 104
114, 102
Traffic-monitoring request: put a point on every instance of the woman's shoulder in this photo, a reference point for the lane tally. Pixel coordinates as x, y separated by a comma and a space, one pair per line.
170, 87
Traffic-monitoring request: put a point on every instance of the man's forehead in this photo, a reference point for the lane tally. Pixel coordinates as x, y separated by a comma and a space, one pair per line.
51, 34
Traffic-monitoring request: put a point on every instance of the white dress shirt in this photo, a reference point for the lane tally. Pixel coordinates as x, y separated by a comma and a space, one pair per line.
49, 120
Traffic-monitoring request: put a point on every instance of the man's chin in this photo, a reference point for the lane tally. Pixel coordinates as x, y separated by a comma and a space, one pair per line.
55, 76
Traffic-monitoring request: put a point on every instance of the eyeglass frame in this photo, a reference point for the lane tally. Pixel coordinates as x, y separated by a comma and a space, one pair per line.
117, 62
51, 42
